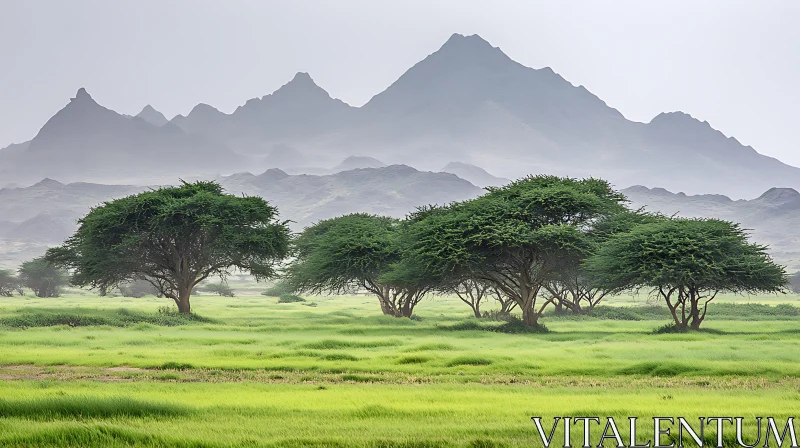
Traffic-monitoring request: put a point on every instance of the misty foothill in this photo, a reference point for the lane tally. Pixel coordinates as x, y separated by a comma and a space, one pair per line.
480, 243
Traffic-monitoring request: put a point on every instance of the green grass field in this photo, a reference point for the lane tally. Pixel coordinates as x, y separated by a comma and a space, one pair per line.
82, 370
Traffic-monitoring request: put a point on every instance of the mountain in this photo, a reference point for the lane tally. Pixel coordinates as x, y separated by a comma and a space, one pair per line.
773, 217
470, 101
467, 101
300, 113
354, 162
85, 140
47, 212
152, 116
474, 174
391, 190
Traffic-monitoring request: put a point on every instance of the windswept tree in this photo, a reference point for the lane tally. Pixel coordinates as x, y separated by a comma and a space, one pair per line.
686, 262
515, 238
359, 251
41, 276
174, 238
9, 284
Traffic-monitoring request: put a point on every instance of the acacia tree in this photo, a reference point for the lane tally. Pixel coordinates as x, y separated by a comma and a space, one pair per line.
515, 238
41, 276
174, 238
359, 251
572, 287
472, 292
9, 284
686, 262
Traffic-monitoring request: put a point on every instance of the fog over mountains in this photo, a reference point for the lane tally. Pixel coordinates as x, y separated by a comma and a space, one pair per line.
467, 102
464, 118
46, 213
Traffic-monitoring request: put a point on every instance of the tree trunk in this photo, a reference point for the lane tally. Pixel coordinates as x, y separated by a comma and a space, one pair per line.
476, 310
183, 301
695, 314
530, 317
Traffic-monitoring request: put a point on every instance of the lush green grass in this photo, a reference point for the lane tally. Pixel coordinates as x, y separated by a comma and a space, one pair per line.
249, 371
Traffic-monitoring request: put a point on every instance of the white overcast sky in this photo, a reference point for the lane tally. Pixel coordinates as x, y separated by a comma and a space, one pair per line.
733, 63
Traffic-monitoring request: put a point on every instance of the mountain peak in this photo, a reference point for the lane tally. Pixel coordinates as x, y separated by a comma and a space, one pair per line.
302, 77
780, 195
301, 85
152, 116
82, 96
471, 39
474, 48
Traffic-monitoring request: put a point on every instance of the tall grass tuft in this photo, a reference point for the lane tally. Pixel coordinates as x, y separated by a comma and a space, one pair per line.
86, 407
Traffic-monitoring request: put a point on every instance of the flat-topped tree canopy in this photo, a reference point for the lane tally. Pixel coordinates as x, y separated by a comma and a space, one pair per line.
515, 237
687, 262
174, 238
360, 251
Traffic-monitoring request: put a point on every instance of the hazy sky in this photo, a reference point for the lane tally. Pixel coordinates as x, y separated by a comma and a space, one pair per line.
733, 63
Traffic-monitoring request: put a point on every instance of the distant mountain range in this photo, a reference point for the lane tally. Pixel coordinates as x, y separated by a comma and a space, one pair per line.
466, 102
46, 213
772, 218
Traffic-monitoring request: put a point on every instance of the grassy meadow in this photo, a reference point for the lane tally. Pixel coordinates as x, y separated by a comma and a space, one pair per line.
82, 370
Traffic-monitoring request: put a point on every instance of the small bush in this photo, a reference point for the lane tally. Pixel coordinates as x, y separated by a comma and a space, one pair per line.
516, 326
221, 289
290, 298
277, 290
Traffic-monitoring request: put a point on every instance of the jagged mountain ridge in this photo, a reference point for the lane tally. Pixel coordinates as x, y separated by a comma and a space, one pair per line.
467, 101
85, 140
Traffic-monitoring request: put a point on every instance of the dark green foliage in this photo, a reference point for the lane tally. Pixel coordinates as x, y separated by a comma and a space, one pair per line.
516, 238
9, 284
290, 298
277, 290
221, 289
82, 318
686, 262
44, 278
360, 251
174, 238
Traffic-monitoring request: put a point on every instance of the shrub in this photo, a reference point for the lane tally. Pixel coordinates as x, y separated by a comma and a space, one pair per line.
221, 289
277, 290
290, 298
516, 326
